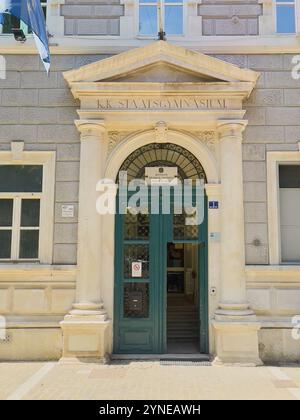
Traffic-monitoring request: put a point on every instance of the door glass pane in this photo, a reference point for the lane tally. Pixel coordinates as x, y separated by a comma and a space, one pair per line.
174, 20
30, 215
136, 300
136, 226
5, 243
29, 244
183, 230
6, 212
148, 20
136, 253
21, 178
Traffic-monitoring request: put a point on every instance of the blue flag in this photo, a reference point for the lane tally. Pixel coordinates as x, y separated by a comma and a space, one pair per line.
31, 13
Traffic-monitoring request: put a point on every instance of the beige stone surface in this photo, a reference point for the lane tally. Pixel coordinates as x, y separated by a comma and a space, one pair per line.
146, 380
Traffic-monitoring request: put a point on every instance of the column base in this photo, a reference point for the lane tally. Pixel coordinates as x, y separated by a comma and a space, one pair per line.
86, 334
237, 341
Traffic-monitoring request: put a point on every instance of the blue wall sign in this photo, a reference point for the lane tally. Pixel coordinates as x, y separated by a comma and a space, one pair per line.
213, 204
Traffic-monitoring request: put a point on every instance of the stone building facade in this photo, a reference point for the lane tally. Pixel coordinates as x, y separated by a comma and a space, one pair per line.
62, 303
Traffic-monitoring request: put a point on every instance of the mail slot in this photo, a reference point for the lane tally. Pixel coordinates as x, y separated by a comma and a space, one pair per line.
135, 301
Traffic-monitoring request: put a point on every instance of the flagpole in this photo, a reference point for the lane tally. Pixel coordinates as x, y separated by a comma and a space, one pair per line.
161, 33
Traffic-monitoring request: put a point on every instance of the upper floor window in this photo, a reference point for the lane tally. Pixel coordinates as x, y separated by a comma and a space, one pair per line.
286, 16
11, 22
171, 15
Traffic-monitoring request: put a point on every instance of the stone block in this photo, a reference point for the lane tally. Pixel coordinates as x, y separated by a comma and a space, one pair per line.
292, 134
272, 62
9, 116
59, 63
237, 60
289, 147
67, 115
254, 151
31, 115
229, 27
22, 63
12, 80
19, 97
255, 191
254, 231
283, 116
255, 116
257, 255
229, 10
62, 300
254, 171
237, 343
27, 133
30, 301
57, 97
76, 10
58, 134
280, 79
65, 233
32, 344
292, 97
263, 134
68, 152
256, 212
208, 27
67, 191
260, 300
64, 254
83, 60
109, 10
67, 171
38, 79
266, 97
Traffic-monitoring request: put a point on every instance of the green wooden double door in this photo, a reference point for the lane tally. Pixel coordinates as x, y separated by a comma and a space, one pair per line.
140, 289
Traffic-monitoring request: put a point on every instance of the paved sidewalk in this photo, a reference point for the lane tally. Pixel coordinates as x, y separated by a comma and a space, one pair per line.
145, 380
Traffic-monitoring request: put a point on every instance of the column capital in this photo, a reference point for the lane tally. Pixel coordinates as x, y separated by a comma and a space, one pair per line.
89, 129
231, 128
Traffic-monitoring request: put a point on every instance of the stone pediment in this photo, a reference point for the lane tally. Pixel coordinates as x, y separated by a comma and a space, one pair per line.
161, 62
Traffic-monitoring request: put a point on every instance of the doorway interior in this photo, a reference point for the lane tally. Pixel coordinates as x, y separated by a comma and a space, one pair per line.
182, 299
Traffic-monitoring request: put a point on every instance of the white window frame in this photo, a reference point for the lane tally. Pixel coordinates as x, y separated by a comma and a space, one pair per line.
184, 23
47, 160
274, 160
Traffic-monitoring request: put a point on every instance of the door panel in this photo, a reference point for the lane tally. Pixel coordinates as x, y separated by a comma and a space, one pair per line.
141, 302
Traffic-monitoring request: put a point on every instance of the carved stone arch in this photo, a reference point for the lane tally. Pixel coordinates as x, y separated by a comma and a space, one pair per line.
164, 155
196, 148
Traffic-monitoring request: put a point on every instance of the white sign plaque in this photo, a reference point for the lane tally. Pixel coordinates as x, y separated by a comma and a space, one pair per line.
67, 210
161, 175
136, 269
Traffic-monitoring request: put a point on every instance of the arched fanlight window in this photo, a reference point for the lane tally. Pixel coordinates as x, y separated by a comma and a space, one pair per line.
163, 154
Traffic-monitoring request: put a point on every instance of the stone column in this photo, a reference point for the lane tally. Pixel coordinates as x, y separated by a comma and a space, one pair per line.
235, 322
86, 328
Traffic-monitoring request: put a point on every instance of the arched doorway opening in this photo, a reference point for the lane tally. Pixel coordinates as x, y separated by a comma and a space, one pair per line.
160, 299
